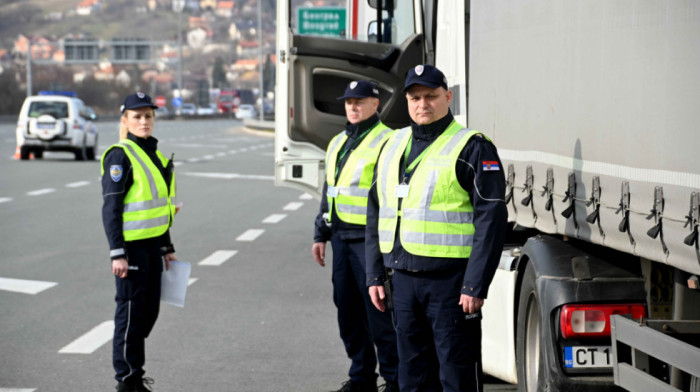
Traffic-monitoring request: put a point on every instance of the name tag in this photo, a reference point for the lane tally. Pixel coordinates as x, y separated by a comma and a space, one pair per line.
401, 191
332, 191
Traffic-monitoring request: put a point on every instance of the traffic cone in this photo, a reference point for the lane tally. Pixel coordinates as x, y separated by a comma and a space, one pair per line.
17, 153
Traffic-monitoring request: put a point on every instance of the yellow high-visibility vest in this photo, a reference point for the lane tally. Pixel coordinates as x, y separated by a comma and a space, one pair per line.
148, 206
436, 216
348, 196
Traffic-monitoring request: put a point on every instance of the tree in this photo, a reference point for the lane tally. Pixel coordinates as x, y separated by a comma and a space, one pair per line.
12, 96
218, 74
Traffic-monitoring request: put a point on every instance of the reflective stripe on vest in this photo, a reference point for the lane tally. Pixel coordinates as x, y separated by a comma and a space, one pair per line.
148, 208
437, 215
355, 179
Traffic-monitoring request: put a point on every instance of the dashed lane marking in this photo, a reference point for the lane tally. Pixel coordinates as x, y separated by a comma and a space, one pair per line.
219, 257
250, 235
17, 389
293, 206
77, 184
274, 218
39, 192
5, 200
230, 176
306, 196
192, 280
91, 341
25, 286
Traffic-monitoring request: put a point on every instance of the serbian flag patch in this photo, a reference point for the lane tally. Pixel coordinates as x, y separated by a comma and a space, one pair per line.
490, 166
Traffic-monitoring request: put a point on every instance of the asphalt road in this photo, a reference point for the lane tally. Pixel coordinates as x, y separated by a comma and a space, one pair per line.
258, 318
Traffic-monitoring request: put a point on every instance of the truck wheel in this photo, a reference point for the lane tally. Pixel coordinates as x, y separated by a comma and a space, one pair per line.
23, 153
529, 330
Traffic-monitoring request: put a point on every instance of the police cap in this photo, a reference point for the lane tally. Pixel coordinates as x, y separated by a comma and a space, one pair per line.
425, 74
137, 100
360, 89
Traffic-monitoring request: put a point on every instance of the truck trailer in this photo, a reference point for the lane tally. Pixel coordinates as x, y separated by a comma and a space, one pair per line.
593, 106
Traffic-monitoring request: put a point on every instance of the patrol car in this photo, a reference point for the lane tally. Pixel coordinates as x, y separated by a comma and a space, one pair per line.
56, 121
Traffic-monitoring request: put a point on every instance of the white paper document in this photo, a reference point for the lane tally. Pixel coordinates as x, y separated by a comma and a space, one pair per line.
174, 283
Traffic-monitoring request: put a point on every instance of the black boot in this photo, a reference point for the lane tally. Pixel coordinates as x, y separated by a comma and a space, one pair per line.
357, 386
138, 385
390, 386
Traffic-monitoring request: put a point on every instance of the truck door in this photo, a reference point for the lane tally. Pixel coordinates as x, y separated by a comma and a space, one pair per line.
313, 70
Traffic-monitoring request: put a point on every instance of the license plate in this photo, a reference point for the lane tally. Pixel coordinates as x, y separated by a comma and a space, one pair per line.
588, 357
45, 125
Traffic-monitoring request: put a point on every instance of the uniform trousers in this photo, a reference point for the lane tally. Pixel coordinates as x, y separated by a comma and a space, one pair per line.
138, 304
361, 324
439, 345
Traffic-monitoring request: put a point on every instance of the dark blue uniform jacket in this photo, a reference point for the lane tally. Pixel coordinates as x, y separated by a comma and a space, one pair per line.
345, 231
113, 193
487, 194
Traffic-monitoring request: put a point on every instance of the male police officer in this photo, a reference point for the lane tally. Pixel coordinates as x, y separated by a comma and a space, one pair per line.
436, 215
350, 161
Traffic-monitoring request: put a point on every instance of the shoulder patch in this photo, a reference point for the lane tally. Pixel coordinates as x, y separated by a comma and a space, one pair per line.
116, 171
490, 166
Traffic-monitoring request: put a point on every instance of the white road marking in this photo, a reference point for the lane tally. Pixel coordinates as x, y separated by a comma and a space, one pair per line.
230, 176
178, 163
244, 149
250, 235
193, 160
208, 157
39, 192
220, 154
293, 206
192, 280
25, 286
91, 341
5, 200
218, 257
17, 389
233, 152
77, 184
306, 196
274, 218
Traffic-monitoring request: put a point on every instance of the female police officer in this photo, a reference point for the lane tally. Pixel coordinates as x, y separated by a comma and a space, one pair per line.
138, 185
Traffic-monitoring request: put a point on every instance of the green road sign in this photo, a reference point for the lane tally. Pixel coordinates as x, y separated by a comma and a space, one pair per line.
329, 21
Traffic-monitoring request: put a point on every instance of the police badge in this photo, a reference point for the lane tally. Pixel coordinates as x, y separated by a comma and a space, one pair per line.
116, 171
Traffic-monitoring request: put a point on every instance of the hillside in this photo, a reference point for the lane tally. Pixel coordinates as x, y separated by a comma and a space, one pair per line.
117, 18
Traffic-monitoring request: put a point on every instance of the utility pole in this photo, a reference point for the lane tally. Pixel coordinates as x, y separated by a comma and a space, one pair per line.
260, 62
179, 7
29, 68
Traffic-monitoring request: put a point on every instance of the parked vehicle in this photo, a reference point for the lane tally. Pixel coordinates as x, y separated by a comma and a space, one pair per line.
162, 112
594, 116
56, 121
246, 111
188, 109
208, 110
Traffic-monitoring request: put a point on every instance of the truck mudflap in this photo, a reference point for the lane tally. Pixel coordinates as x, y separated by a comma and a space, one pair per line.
656, 355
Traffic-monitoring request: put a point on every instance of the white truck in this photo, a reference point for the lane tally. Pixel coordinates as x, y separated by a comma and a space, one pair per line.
593, 106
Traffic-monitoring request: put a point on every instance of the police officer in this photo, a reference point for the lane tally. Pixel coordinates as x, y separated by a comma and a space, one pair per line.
138, 187
436, 216
350, 161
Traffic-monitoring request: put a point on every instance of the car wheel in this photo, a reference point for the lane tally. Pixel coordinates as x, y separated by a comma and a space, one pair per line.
81, 153
529, 352
24, 153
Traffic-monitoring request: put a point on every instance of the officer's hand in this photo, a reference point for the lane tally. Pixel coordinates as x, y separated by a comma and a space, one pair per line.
470, 304
120, 267
319, 251
168, 257
377, 294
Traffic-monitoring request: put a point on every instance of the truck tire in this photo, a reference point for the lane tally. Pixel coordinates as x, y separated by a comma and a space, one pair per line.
529, 355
